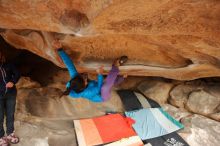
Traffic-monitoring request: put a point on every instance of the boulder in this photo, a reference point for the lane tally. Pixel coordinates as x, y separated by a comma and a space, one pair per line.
156, 89
200, 131
202, 102
46, 103
180, 93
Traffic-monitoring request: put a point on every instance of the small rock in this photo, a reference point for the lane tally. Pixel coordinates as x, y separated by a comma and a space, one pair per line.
202, 102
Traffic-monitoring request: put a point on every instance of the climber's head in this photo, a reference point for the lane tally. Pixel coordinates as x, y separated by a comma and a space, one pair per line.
77, 84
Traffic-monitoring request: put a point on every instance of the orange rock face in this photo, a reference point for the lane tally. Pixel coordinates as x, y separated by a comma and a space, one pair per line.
178, 39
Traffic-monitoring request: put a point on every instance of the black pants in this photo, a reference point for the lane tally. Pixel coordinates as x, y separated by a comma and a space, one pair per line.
7, 107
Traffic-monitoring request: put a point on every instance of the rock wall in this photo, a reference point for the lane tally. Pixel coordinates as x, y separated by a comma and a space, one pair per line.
196, 104
43, 118
200, 96
178, 39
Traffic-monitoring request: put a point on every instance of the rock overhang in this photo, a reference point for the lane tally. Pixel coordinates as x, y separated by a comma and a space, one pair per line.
178, 39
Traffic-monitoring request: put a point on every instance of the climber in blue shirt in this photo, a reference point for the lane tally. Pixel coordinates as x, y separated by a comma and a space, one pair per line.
81, 86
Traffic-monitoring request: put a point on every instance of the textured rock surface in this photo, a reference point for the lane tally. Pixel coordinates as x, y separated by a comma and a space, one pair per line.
215, 116
202, 102
38, 132
177, 39
45, 103
180, 93
199, 96
157, 90
200, 130
43, 119
177, 113
26, 82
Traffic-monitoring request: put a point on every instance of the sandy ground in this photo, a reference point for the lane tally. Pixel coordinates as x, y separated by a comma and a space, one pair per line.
39, 132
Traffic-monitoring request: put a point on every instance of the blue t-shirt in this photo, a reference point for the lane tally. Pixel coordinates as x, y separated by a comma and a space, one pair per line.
93, 89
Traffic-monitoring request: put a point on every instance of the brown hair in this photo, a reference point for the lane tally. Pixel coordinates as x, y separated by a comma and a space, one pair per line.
77, 84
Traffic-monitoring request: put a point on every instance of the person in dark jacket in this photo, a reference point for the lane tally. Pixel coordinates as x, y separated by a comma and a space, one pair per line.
9, 76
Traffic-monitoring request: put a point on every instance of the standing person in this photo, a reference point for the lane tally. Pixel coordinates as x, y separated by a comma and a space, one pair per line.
8, 78
81, 86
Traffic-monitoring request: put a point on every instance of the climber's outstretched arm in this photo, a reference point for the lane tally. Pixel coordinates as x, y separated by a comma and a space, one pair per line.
68, 62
